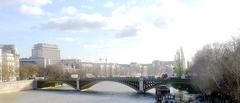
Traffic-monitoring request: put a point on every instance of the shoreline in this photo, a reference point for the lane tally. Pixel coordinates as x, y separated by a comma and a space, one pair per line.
16, 86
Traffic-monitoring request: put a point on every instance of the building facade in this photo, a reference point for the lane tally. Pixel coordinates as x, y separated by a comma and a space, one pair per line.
42, 62
71, 64
9, 63
163, 67
47, 51
43, 54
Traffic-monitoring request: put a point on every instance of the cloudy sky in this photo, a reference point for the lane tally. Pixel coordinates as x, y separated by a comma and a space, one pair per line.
121, 30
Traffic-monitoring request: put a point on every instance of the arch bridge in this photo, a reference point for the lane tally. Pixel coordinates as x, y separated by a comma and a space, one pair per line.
140, 84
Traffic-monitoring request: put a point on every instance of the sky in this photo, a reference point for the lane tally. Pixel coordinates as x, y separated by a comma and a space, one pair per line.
122, 31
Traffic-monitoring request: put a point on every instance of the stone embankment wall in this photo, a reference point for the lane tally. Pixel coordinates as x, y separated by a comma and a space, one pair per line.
7, 87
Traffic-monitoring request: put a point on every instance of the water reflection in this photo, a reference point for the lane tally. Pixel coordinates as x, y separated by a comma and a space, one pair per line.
104, 92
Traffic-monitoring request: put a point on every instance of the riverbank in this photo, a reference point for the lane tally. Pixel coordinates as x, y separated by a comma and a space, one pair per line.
9, 87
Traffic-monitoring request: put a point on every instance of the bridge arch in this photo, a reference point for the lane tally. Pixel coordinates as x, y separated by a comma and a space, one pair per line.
43, 83
84, 84
133, 85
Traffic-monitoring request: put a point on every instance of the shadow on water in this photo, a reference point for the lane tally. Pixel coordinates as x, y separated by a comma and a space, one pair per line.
97, 93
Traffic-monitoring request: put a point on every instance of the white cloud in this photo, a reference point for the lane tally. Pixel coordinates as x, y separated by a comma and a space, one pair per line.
79, 22
27, 2
70, 10
91, 46
166, 25
31, 10
109, 5
87, 7
66, 39
35, 2
163, 26
128, 31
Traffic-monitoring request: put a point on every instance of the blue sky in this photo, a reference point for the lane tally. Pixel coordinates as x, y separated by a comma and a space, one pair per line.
121, 30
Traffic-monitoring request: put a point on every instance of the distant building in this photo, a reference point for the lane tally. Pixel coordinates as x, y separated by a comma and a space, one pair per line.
9, 62
146, 69
43, 54
46, 51
42, 62
163, 67
71, 64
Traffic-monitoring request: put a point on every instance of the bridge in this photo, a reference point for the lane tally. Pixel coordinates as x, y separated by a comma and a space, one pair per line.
140, 84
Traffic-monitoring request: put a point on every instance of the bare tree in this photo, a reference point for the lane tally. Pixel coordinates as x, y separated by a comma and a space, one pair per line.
29, 71
216, 67
56, 72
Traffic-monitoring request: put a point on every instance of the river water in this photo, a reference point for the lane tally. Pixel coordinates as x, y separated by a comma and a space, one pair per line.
104, 92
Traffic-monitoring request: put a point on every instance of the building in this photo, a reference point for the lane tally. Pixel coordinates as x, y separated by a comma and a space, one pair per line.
9, 63
43, 54
71, 64
47, 51
163, 67
146, 69
42, 62
25, 61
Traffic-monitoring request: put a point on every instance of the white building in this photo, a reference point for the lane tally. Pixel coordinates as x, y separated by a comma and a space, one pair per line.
9, 62
163, 67
43, 54
47, 51
71, 64
42, 62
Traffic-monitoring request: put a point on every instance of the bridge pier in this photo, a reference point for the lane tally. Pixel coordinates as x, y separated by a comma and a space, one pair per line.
141, 88
35, 85
78, 87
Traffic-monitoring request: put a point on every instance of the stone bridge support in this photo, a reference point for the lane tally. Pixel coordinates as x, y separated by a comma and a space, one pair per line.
77, 82
141, 86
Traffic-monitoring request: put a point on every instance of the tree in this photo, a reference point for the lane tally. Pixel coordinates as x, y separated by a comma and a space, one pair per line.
216, 67
5, 72
29, 71
179, 62
56, 72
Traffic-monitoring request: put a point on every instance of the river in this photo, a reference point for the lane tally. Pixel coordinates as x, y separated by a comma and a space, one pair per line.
104, 92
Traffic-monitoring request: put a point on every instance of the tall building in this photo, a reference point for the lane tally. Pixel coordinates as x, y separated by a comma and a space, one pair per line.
47, 51
43, 54
9, 63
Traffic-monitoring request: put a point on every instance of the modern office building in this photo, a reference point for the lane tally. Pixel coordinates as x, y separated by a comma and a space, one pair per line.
47, 51
43, 54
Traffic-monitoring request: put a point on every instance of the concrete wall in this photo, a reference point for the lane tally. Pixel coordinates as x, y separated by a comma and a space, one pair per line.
7, 87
